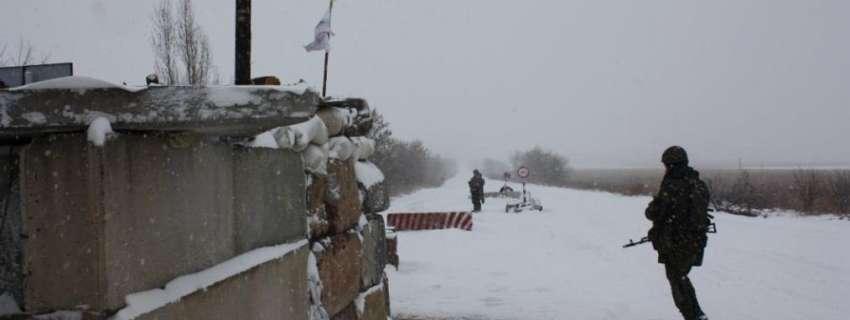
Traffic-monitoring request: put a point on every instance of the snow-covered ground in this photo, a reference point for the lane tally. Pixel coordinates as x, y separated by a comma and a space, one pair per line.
567, 263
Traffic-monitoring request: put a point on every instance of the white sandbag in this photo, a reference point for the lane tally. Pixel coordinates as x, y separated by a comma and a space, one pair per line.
298, 136
315, 159
365, 147
368, 174
265, 140
336, 119
341, 148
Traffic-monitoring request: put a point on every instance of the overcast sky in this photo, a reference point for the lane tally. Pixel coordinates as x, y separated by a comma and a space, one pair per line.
606, 83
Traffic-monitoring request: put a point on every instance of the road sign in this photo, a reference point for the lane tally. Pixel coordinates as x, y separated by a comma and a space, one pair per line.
522, 172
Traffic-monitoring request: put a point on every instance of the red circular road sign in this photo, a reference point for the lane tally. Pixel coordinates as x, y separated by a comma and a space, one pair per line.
522, 172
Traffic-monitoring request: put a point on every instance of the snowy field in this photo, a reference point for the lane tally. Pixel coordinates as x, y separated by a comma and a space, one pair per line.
567, 263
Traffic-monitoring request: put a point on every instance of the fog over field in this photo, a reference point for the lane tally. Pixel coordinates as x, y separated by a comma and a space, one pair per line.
606, 83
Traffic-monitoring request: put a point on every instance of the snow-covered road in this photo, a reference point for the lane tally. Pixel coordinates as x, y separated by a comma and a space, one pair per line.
567, 263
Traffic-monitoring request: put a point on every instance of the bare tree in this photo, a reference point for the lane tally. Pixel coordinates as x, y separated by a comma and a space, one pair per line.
24, 54
163, 41
807, 186
3, 60
547, 167
840, 187
181, 47
194, 45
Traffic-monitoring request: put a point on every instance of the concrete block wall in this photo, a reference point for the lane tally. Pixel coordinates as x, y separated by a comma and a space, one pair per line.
11, 240
105, 222
158, 202
275, 290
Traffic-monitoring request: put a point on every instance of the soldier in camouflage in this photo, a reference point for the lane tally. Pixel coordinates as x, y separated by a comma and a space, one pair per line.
679, 215
476, 190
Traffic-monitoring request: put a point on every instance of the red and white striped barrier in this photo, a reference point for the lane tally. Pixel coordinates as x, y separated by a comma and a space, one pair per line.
430, 221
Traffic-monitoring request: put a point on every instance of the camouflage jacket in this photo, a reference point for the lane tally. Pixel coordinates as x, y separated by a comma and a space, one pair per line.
679, 215
476, 186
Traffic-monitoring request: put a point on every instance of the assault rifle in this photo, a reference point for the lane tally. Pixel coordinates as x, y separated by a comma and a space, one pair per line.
711, 228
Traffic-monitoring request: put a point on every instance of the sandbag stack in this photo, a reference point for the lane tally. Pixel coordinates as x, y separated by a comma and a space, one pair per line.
344, 194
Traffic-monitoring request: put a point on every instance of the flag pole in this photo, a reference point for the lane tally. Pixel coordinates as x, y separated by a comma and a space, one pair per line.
327, 55
325, 79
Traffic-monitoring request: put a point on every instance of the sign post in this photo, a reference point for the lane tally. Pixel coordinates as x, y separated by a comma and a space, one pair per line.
523, 173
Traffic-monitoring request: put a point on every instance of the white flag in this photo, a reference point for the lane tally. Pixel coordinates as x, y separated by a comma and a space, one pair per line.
323, 34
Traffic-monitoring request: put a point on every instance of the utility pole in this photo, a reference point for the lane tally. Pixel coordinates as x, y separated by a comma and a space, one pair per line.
242, 72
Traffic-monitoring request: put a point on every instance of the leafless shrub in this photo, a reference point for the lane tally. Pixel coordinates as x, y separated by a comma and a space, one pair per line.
407, 165
839, 183
738, 197
751, 192
806, 186
720, 190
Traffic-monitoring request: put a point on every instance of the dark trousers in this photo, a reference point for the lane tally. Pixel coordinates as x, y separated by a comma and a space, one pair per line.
476, 204
684, 294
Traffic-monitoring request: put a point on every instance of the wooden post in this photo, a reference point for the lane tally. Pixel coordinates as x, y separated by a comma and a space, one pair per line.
242, 72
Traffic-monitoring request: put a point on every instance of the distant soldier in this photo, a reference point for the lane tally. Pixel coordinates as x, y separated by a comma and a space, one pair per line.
679, 215
476, 190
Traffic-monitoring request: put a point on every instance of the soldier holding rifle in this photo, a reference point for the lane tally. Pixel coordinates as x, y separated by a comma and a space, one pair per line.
680, 221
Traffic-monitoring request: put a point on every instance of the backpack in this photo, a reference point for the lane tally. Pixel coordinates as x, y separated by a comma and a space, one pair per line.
700, 220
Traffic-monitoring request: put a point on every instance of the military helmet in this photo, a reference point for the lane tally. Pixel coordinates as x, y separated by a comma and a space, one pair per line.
674, 155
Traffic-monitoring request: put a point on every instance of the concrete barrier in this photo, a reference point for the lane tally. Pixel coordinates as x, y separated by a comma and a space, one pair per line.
374, 252
317, 214
173, 217
342, 200
392, 250
372, 304
269, 187
11, 240
377, 198
274, 290
144, 209
339, 269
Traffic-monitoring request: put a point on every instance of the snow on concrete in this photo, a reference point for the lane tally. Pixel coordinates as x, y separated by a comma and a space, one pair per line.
228, 96
147, 301
35, 117
60, 315
8, 305
98, 130
567, 263
156, 104
368, 173
78, 83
